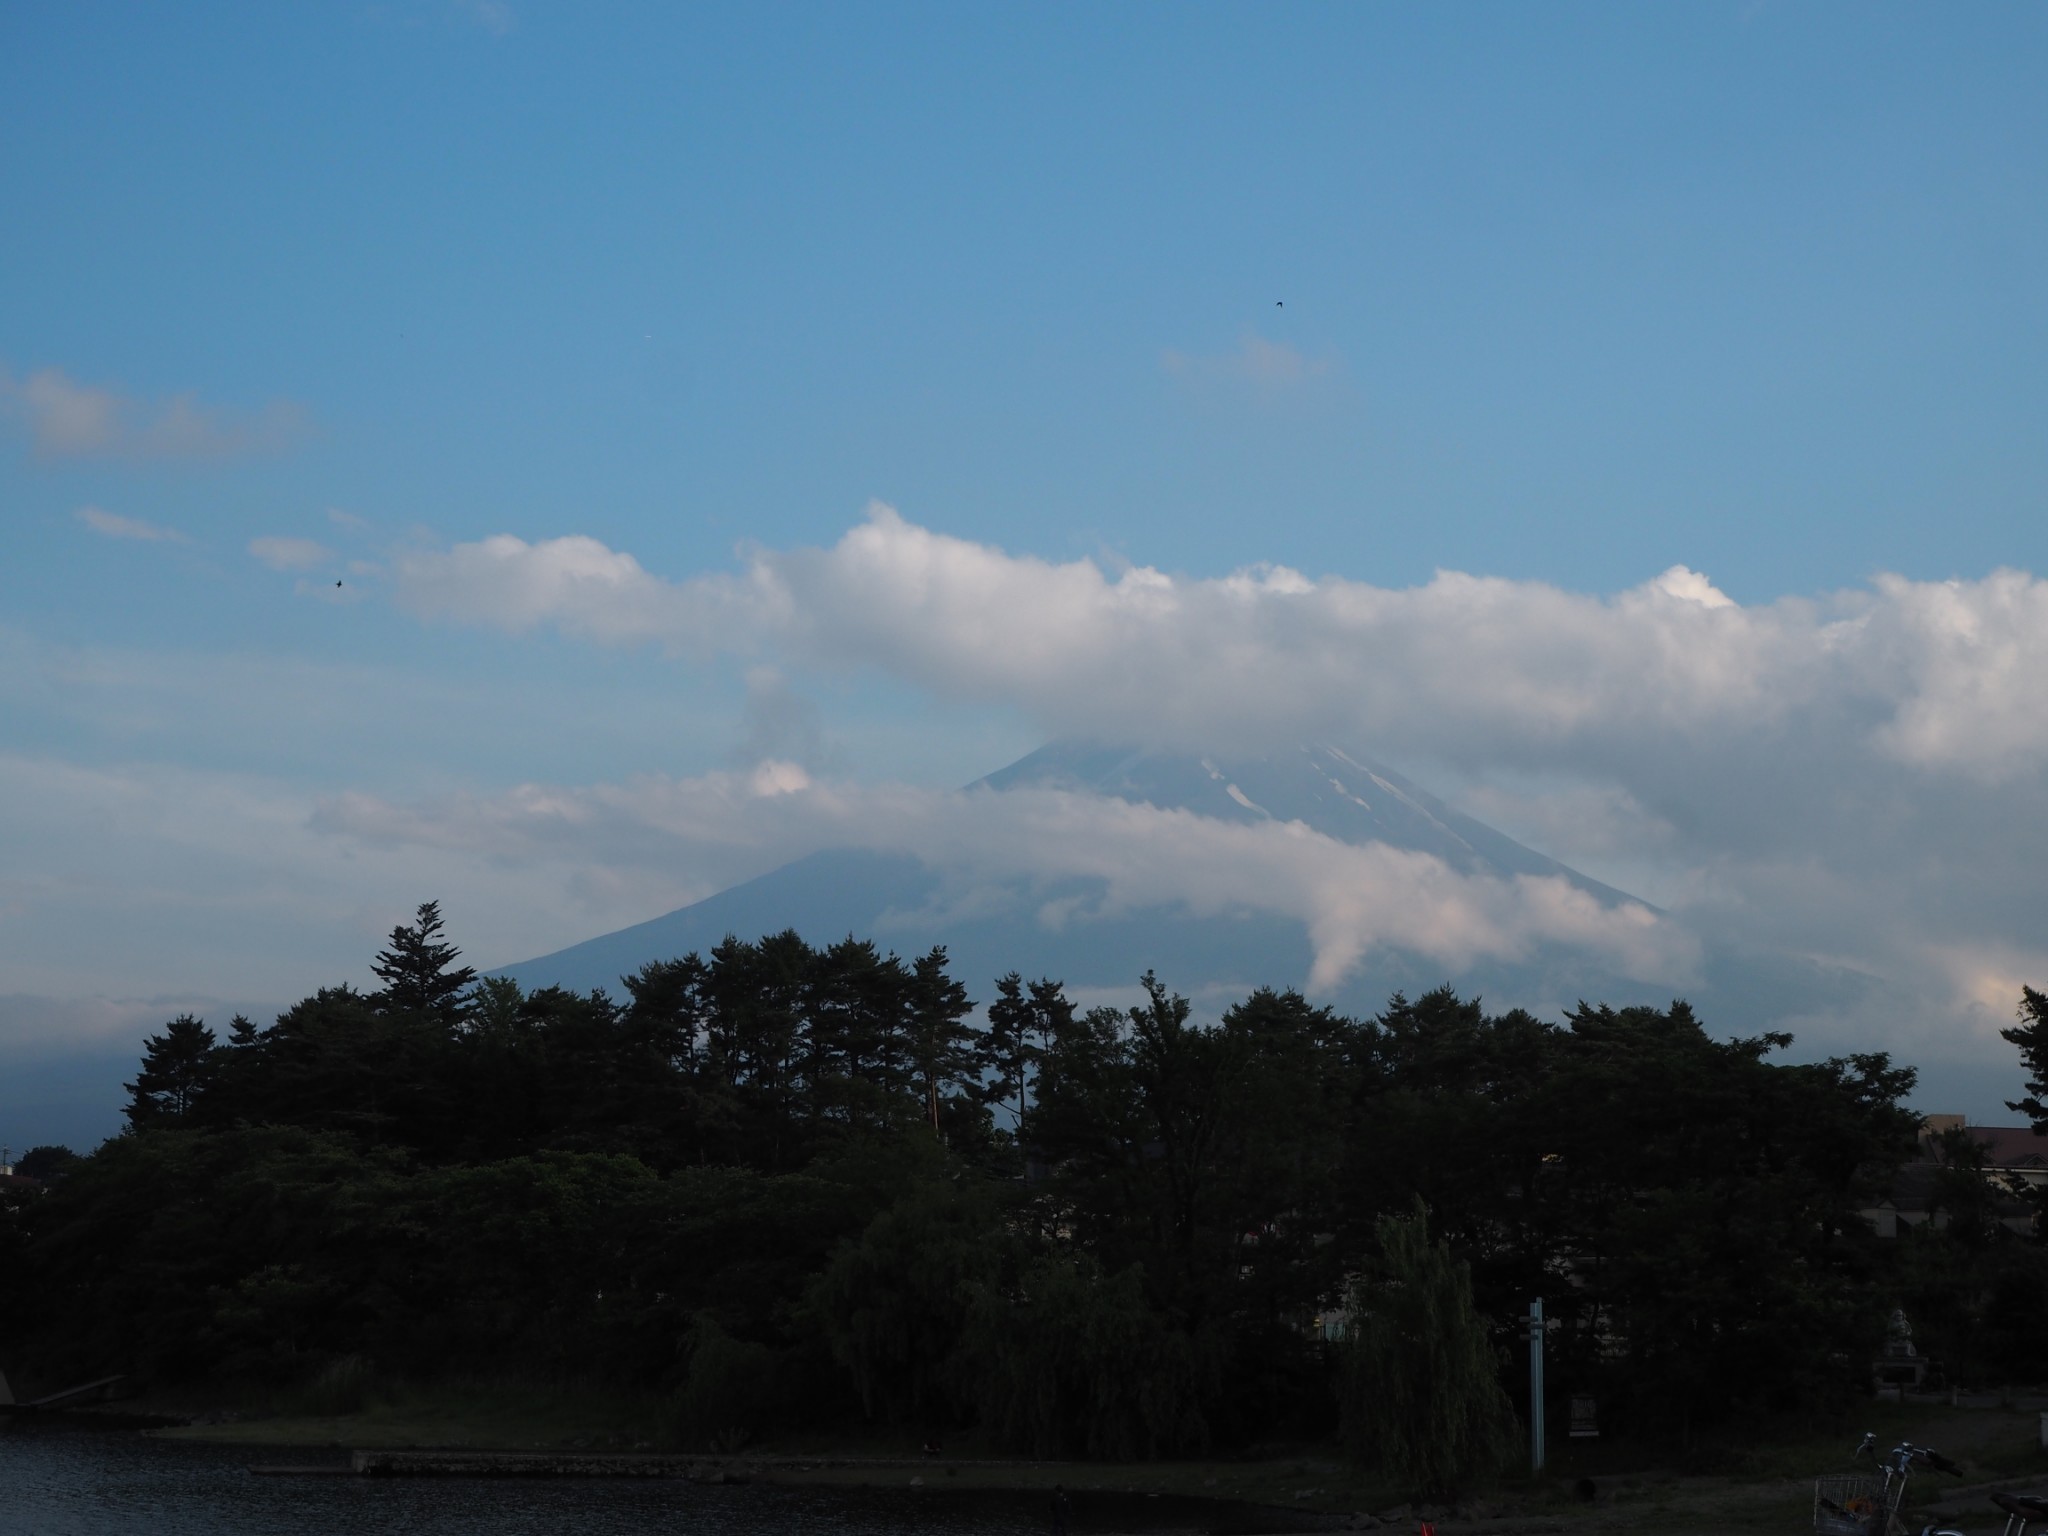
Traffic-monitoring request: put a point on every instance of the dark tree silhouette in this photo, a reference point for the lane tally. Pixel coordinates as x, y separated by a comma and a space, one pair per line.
177, 1066
942, 1046
1019, 1030
2031, 1036
46, 1164
417, 970
1004, 1046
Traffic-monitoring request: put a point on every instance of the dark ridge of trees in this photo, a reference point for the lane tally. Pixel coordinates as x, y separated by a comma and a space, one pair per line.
787, 1185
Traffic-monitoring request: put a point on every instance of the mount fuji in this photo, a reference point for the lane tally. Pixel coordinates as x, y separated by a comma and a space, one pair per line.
1213, 956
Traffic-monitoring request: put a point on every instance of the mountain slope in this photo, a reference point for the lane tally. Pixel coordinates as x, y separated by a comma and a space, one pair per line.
1341, 796
903, 904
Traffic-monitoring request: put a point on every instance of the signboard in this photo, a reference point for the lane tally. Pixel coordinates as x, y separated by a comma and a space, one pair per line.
1585, 1419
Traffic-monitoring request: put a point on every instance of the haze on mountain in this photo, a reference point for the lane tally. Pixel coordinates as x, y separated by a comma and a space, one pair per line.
1065, 928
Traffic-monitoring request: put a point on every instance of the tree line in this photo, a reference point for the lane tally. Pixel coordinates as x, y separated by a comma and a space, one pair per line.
781, 1185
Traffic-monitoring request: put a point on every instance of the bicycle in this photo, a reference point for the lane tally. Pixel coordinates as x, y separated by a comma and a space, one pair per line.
2021, 1510
1853, 1504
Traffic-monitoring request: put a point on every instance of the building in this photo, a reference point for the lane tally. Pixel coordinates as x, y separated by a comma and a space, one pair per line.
2012, 1157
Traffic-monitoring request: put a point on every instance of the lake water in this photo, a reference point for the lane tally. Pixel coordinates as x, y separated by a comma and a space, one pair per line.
59, 1481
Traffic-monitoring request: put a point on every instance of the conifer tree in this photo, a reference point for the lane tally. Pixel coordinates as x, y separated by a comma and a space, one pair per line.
1004, 1045
2031, 1036
1020, 1030
942, 1045
417, 970
177, 1067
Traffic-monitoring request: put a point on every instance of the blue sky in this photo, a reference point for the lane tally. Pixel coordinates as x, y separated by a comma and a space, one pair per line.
1564, 296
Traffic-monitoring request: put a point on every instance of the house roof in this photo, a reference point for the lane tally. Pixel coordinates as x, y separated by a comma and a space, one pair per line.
2011, 1146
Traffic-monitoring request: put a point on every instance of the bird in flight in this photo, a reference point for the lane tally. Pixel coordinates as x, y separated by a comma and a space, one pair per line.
337, 583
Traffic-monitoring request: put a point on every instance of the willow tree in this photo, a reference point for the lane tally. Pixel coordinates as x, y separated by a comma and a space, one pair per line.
1422, 1394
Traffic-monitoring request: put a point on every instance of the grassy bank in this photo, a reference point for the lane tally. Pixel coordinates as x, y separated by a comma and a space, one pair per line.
482, 1415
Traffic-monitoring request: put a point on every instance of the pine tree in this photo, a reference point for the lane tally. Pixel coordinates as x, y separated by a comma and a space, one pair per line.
177, 1068
2031, 1036
942, 1045
1020, 1030
1003, 1045
416, 970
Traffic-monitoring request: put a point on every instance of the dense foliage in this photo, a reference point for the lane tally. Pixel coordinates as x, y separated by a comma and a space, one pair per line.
1421, 1384
785, 1185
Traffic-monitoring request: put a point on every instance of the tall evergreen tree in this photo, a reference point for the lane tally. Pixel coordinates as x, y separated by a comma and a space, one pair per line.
856, 1064
942, 1046
667, 1008
2031, 1036
1020, 1029
1004, 1046
418, 970
177, 1068
759, 1002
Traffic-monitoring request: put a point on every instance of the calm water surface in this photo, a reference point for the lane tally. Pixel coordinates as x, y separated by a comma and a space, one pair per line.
69, 1482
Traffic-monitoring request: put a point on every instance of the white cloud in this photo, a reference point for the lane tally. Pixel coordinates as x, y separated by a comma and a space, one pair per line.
115, 526
1262, 364
287, 554
574, 582
65, 419
1968, 662
1693, 587
1943, 676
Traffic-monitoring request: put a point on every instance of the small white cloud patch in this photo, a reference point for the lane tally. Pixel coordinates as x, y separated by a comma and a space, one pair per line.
771, 779
65, 419
1256, 361
286, 554
115, 526
1690, 586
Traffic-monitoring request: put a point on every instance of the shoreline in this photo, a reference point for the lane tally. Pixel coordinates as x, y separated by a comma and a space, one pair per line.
1756, 1486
